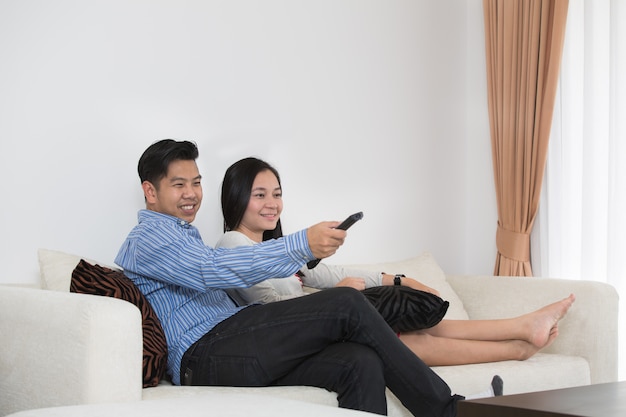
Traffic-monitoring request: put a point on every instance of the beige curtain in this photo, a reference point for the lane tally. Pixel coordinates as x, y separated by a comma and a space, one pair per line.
524, 40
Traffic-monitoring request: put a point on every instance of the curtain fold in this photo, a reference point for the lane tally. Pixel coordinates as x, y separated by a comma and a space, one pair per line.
524, 42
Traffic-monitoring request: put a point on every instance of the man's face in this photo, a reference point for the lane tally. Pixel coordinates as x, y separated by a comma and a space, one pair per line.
178, 194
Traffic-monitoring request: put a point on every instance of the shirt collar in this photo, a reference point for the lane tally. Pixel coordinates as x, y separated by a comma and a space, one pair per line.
146, 215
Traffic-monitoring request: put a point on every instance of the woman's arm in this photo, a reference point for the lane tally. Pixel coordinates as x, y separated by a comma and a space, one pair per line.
388, 279
268, 291
328, 276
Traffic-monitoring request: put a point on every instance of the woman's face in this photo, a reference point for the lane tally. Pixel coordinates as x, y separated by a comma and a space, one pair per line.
264, 207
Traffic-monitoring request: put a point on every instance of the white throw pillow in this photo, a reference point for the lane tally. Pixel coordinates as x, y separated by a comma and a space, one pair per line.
56, 268
424, 269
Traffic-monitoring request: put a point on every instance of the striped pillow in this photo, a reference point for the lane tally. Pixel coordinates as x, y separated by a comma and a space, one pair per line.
406, 309
98, 280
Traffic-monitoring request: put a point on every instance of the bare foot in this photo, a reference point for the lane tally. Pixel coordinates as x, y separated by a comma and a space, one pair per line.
526, 349
554, 332
543, 322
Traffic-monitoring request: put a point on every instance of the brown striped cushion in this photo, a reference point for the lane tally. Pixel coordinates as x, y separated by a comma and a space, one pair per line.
98, 280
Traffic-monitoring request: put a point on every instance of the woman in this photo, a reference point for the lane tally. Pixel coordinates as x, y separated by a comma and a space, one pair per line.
252, 205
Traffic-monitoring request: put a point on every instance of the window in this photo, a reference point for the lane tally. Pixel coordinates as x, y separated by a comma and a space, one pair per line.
580, 232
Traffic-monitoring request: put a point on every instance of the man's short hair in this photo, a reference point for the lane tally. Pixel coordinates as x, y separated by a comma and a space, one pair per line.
155, 160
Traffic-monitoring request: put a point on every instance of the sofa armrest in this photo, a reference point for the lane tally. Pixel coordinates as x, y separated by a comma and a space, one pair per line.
589, 329
63, 348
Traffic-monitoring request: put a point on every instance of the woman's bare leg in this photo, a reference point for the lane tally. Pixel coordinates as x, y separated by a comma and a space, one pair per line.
457, 342
441, 351
536, 328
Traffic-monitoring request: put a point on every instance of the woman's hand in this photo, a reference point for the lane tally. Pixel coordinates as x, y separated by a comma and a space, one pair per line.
356, 283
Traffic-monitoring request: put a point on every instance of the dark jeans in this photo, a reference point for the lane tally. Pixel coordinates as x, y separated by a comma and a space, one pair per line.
332, 339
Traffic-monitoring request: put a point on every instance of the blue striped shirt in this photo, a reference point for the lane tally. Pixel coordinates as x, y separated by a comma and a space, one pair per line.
184, 279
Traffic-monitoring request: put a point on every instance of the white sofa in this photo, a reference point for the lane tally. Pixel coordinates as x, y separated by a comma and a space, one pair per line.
61, 348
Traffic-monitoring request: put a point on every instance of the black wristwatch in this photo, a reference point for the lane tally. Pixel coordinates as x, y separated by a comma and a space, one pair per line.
397, 279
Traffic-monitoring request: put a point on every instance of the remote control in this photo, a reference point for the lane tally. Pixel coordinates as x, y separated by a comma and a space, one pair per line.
345, 225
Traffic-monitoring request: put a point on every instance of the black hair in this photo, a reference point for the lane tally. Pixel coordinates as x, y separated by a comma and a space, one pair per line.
155, 160
236, 189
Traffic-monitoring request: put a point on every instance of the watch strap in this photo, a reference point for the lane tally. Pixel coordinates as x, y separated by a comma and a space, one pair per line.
397, 279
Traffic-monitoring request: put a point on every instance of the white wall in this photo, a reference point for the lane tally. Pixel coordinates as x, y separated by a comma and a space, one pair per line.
368, 105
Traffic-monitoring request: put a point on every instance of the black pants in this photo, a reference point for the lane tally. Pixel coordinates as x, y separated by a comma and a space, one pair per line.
332, 339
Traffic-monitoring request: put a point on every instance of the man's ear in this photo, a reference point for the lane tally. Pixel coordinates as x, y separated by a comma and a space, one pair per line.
149, 192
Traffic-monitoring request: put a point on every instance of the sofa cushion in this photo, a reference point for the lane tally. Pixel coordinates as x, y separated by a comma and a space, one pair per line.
425, 269
542, 372
98, 280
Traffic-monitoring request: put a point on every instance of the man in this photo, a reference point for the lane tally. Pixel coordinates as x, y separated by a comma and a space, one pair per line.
334, 339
